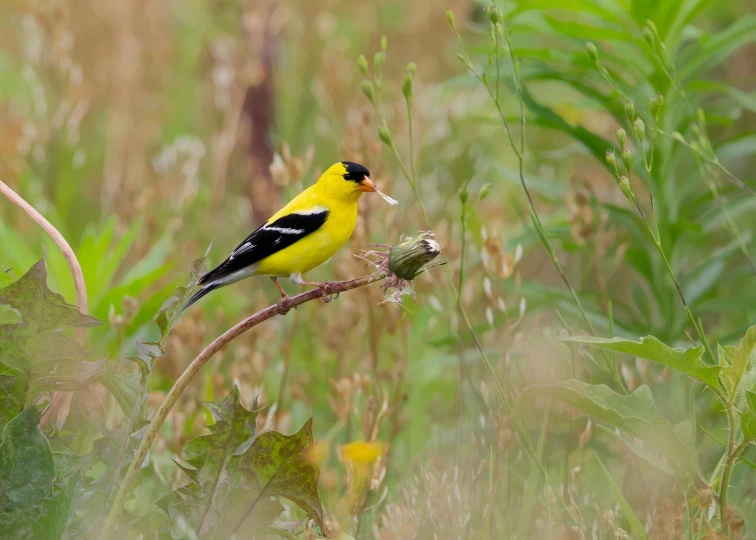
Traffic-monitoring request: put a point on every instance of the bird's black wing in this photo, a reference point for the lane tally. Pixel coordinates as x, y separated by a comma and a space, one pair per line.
267, 240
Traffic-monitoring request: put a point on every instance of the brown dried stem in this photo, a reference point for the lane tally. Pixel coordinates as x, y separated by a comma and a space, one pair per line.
279, 308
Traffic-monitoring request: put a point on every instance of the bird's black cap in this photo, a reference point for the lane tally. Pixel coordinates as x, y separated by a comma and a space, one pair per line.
355, 171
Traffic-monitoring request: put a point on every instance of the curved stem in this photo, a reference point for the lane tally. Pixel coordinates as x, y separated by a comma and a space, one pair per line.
281, 307
65, 248
725, 484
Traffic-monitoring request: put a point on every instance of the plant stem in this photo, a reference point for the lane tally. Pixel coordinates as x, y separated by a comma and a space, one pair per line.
279, 308
725, 484
63, 245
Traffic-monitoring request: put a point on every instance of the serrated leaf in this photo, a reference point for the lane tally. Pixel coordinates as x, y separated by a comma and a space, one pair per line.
735, 360
39, 306
277, 465
169, 312
27, 473
687, 361
635, 414
748, 417
15, 366
59, 363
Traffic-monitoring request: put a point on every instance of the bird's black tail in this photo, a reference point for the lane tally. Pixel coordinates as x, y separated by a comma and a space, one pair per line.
199, 294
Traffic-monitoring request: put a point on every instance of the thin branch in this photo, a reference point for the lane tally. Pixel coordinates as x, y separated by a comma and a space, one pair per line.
279, 308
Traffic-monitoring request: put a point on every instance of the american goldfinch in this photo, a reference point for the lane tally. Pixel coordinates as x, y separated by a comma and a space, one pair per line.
301, 236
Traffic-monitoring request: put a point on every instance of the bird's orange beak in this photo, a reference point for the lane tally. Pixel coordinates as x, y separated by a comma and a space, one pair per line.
366, 184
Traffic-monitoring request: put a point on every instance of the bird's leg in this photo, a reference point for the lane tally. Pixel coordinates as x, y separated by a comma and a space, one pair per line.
283, 308
278, 286
324, 286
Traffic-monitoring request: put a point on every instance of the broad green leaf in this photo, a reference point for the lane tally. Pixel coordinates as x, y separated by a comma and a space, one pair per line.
632, 518
735, 360
9, 315
59, 363
39, 306
15, 366
277, 465
635, 414
27, 473
687, 361
748, 417
230, 435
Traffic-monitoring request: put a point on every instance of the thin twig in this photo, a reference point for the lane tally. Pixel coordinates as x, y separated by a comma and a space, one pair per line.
280, 308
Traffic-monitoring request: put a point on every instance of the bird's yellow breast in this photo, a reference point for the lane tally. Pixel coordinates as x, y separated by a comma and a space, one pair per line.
317, 247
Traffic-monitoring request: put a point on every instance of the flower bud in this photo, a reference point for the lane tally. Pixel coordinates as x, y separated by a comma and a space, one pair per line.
385, 135
378, 59
704, 498
485, 189
384, 43
630, 110
450, 18
493, 14
412, 68
648, 35
407, 259
627, 160
626, 187
463, 194
367, 89
656, 104
362, 64
592, 51
621, 137
407, 86
639, 129
612, 161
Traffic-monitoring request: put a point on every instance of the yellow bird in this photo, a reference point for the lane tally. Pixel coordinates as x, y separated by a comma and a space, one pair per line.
301, 236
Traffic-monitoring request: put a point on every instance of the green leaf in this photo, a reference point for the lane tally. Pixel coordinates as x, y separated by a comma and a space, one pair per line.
169, 312
635, 414
59, 363
9, 315
735, 360
277, 465
748, 417
15, 365
632, 518
39, 306
687, 361
27, 473
230, 435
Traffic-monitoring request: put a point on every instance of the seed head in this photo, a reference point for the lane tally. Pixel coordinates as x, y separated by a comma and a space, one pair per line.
407, 259
612, 161
656, 104
385, 134
384, 43
378, 60
407, 86
367, 89
485, 189
630, 111
704, 498
621, 137
450, 18
639, 129
627, 160
362, 64
592, 51
464, 194
412, 68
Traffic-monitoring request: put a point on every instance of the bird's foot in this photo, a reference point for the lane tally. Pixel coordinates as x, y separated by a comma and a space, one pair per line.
283, 306
326, 290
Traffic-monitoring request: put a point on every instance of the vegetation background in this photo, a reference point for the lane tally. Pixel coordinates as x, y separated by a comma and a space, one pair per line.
145, 130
